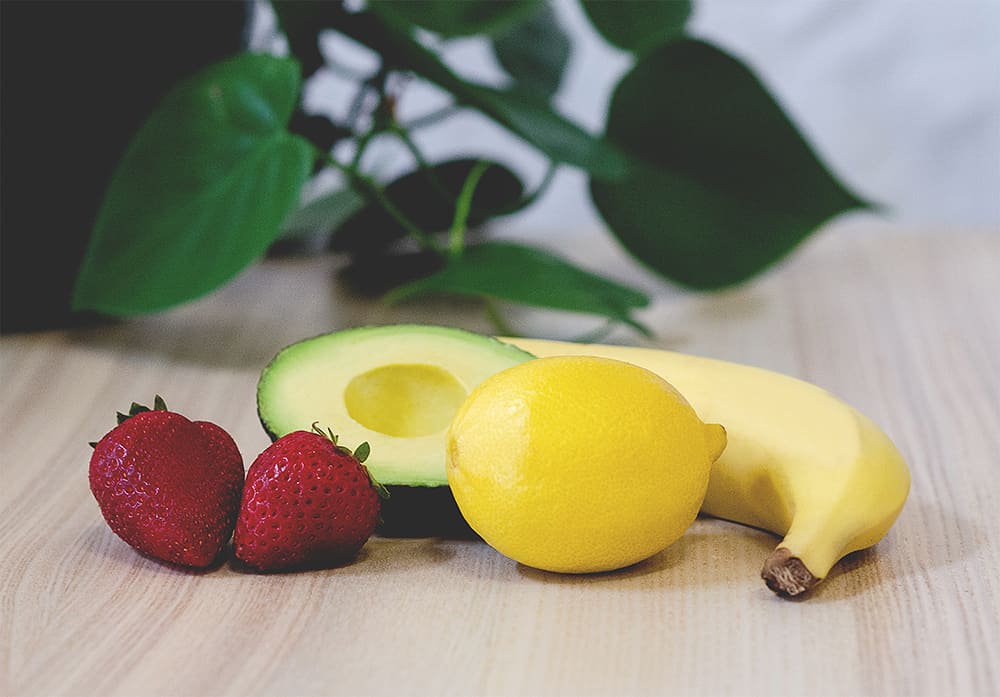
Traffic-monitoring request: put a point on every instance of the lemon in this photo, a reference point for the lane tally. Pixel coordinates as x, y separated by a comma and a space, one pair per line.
579, 464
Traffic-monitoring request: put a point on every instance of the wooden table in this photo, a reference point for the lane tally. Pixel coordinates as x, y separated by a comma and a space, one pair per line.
902, 324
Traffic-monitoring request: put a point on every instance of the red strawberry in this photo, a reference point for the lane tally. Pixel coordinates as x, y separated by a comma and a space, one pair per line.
308, 502
168, 486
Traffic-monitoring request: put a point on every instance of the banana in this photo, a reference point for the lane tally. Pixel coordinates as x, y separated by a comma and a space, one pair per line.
799, 462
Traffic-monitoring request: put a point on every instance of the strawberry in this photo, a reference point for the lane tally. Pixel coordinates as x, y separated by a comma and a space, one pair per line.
308, 502
168, 486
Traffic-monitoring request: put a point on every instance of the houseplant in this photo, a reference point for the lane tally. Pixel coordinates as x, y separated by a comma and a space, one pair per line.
699, 173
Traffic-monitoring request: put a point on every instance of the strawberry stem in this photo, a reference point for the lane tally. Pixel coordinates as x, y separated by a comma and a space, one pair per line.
360, 454
136, 408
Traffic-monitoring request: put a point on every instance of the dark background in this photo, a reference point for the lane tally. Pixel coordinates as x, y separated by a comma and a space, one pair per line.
77, 80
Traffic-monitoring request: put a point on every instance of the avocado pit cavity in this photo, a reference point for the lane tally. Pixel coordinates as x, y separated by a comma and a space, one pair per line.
395, 387
404, 400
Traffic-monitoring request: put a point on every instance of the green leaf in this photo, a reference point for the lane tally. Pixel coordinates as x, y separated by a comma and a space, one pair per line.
535, 52
450, 18
721, 183
523, 113
362, 452
324, 214
428, 197
201, 191
521, 274
638, 25
375, 274
531, 117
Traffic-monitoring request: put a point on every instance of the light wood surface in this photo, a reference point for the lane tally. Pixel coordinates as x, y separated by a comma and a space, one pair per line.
902, 325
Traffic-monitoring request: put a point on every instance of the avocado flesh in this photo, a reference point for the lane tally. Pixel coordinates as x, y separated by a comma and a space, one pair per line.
396, 387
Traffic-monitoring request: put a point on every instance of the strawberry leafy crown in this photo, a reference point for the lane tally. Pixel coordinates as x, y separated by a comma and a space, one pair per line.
360, 454
158, 405
136, 408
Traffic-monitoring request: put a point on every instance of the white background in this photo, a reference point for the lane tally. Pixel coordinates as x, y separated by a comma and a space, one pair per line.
901, 98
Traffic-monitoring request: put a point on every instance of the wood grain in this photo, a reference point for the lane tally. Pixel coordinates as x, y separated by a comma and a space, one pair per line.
904, 326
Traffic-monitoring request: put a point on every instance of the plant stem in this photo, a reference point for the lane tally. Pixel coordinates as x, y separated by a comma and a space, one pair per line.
404, 136
376, 193
376, 83
345, 71
422, 163
360, 148
432, 118
354, 112
456, 235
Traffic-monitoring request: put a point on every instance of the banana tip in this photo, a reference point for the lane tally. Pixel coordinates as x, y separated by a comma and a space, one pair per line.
786, 575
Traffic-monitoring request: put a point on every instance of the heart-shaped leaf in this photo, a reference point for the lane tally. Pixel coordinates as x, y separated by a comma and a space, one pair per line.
535, 52
721, 183
527, 275
450, 18
428, 197
532, 118
374, 275
638, 25
201, 191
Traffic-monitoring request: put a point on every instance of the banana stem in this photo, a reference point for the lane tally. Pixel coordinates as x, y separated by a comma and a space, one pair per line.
786, 575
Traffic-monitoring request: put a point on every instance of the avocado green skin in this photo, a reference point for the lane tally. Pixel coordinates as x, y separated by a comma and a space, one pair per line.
416, 510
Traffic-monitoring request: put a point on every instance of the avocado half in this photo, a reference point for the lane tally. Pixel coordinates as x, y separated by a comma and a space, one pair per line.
396, 387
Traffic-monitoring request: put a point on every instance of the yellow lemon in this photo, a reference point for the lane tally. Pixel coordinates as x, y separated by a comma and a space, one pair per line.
579, 464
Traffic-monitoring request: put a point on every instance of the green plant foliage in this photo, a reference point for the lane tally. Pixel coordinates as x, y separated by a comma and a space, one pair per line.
699, 174
374, 275
533, 119
520, 111
450, 18
638, 25
721, 183
427, 198
202, 190
535, 52
324, 214
517, 273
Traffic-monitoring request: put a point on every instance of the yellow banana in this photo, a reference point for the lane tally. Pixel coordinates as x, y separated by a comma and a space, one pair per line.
799, 462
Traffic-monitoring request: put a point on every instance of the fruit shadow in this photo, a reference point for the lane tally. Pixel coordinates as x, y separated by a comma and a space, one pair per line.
707, 554
926, 537
101, 542
380, 556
